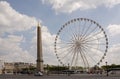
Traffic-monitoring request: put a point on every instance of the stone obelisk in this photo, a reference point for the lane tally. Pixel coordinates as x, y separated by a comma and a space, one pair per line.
39, 49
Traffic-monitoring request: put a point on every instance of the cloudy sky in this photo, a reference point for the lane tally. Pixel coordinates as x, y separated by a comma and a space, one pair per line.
18, 20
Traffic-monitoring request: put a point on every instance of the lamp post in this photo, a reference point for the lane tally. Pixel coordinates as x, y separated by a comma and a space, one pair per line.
58, 69
68, 69
106, 69
47, 69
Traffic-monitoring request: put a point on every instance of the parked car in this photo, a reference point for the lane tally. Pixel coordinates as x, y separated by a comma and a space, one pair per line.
38, 74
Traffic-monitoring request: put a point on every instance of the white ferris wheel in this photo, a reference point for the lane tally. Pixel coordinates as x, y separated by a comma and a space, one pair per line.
81, 42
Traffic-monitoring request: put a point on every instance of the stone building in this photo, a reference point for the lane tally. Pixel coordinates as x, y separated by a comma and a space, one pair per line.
15, 67
8, 67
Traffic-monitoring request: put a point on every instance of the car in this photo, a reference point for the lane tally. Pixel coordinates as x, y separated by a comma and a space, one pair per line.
38, 74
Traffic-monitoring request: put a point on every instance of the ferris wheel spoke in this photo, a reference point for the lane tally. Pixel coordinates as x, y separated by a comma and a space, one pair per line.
76, 61
67, 54
73, 37
92, 36
72, 30
82, 32
93, 29
90, 33
69, 58
66, 59
84, 55
100, 57
85, 49
73, 57
67, 34
90, 55
87, 29
79, 28
64, 52
65, 41
64, 49
88, 46
94, 39
95, 43
64, 46
83, 60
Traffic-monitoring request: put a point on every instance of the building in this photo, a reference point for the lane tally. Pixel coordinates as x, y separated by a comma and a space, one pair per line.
15, 67
8, 68
1, 66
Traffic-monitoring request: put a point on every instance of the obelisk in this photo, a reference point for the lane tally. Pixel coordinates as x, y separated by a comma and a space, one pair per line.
39, 50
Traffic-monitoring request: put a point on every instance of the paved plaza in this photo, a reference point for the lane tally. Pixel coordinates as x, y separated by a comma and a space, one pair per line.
74, 76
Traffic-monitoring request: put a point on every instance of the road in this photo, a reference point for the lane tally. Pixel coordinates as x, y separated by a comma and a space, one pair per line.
78, 76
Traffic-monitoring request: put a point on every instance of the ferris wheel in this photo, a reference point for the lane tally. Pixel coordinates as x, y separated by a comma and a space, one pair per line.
81, 42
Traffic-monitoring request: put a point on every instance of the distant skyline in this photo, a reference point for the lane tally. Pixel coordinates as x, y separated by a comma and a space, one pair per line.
19, 18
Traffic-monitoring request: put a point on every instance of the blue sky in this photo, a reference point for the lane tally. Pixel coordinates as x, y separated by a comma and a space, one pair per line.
19, 19
44, 12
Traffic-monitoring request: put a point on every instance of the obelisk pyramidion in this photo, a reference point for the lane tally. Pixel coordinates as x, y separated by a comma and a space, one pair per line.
39, 49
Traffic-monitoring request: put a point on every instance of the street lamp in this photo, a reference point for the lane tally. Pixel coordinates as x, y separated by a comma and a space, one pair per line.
68, 66
68, 69
58, 69
47, 69
106, 69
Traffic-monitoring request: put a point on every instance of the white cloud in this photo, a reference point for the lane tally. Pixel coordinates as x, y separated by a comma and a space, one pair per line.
68, 6
114, 29
114, 45
10, 49
48, 43
12, 21
113, 54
